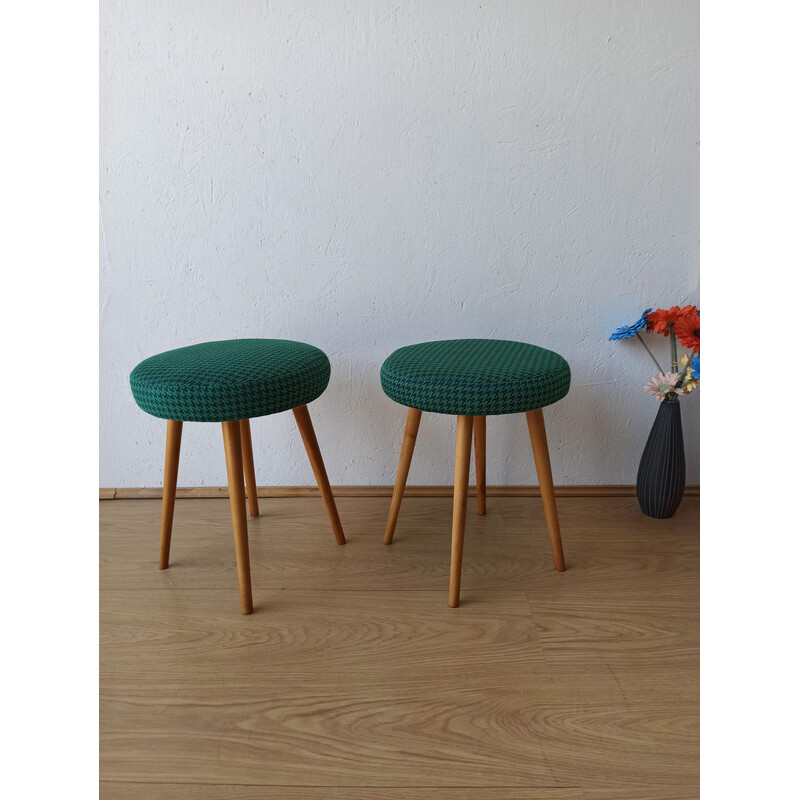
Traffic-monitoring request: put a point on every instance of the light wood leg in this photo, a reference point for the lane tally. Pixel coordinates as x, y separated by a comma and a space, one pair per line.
174, 430
249, 466
541, 456
303, 419
406, 452
231, 435
479, 427
460, 492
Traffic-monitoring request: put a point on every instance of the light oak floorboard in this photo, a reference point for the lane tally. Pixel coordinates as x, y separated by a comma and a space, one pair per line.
288, 548
687, 792
320, 639
490, 737
182, 791
354, 679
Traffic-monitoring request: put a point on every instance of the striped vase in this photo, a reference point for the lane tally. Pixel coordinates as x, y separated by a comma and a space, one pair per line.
662, 471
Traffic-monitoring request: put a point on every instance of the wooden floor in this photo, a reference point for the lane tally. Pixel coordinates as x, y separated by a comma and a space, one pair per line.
353, 678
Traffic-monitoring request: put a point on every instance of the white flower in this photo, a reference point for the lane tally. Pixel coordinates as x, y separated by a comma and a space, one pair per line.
662, 384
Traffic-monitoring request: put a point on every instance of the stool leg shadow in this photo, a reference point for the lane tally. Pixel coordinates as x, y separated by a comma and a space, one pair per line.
171, 459
231, 434
406, 452
479, 427
460, 492
249, 466
303, 419
541, 456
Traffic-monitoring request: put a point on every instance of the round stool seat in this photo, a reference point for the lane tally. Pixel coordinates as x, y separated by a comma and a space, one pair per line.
230, 380
475, 377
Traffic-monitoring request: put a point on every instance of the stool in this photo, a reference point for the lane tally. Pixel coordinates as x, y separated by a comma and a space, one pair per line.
475, 378
231, 382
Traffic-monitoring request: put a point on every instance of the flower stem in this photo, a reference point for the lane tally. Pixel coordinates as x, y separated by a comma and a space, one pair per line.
649, 352
673, 344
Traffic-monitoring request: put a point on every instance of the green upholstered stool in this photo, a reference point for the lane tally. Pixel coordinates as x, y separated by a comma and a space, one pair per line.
473, 379
231, 382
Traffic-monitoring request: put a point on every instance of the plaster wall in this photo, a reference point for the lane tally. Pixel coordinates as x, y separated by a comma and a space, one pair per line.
363, 175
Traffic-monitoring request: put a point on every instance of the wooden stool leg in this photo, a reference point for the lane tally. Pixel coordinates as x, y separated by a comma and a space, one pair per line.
541, 456
406, 452
174, 430
233, 460
479, 426
249, 466
460, 492
303, 419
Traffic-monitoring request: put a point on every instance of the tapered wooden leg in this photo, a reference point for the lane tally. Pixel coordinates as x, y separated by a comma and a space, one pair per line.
231, 435
541, 456
174, 430
406, 452
460, 492
303, 419
479, 426
249, 466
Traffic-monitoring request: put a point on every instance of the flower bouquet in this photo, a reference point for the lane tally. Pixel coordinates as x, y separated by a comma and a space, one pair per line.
661, 478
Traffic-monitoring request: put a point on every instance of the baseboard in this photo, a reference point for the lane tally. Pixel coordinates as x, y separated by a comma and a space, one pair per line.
382, 491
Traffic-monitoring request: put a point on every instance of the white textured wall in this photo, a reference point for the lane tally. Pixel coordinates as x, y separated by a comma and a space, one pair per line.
363, 175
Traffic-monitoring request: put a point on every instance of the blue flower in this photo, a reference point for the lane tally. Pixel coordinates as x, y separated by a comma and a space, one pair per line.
626, 331
695, 362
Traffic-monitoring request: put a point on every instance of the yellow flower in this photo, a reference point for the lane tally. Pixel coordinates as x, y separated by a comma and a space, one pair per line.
685, 364
689, 386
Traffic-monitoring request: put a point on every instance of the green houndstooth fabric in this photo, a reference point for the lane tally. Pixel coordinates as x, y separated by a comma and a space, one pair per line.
475, 377
233, 379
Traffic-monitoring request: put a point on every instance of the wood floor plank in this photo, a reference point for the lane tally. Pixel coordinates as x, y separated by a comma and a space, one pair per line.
348, 738
687, 792
487, 737
201, 686
289, 554
636, 746
642, 683
607, 523
328, 636
183, 791
616, 633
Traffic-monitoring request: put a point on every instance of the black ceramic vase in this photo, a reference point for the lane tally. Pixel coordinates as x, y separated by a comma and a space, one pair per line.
662, 471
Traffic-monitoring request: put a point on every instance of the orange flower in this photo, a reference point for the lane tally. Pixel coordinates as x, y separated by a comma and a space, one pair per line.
659, 319
687, 329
